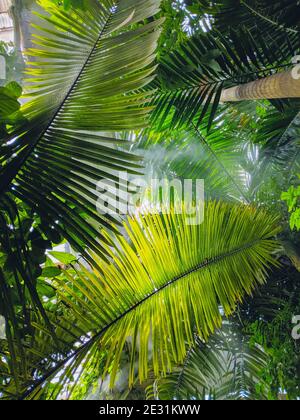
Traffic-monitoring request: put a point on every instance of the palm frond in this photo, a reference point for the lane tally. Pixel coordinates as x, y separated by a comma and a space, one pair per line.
225, 368
193, 77
269, 301
168, 278
279, 159
9, 107
75, 100
276, 17
37, 350
216, 156
81, 87
267, 318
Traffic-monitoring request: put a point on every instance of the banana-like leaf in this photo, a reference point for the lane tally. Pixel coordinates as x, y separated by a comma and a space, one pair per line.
226, 368
166, 280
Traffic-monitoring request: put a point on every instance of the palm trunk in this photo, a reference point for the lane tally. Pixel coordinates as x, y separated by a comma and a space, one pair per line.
278, 86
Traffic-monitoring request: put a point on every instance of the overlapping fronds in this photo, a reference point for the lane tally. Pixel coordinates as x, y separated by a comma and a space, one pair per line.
279, 136
279, 160
37, 353
193, 78
75, 99
226, 368
214, 158
166, 280
219, 157
269, 301
269, 16
80, 87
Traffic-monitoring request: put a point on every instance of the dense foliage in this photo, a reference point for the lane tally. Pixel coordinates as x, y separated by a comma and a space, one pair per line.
149, 306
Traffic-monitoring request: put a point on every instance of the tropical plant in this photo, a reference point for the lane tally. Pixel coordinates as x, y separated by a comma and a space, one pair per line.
258, 338
216, 157
81, 87
257, 341
267, 318
143, 300
9, 106
137, 299
210, 68
292, 198
270, 17
224, 368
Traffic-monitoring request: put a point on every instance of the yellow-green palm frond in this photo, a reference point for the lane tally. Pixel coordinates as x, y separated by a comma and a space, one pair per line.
167, 279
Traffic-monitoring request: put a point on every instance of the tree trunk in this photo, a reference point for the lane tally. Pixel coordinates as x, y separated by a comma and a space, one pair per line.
278, 86
23, 17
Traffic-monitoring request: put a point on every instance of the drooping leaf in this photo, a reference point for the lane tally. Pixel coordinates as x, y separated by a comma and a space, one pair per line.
82, 80
169, 279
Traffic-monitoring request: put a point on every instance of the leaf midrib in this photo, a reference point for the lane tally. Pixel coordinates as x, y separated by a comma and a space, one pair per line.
29, 150
90, 342
268, 19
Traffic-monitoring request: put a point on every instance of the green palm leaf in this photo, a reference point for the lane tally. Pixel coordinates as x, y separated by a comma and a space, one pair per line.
279, 161
168, 279
268, 16
227, 367
81, 87
193, 77
194, 153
